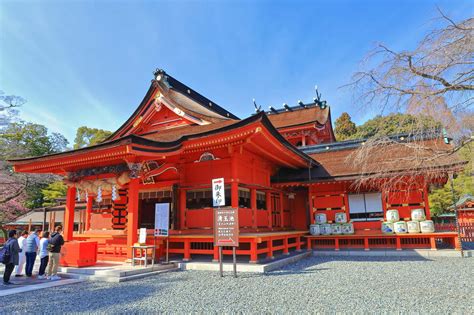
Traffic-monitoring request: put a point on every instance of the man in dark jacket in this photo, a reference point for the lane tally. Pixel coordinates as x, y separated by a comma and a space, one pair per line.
55, 244
13, 249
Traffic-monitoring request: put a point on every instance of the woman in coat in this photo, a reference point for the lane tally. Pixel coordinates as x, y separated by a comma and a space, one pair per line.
14, 250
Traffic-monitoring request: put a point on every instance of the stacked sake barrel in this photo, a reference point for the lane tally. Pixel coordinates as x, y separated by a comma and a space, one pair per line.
418, 223
324, 227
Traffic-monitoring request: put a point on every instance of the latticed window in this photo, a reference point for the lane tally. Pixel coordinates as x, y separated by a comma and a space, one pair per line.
202, 198
261, 200
244, 198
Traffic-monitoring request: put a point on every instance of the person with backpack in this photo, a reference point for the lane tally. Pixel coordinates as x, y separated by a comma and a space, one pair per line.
54, 249
9, 256
43, 254
21, 263
32, 245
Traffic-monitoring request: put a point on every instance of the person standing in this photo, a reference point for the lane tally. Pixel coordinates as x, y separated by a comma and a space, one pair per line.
13, 250
22, 257
43, 254
32, 245
55, 244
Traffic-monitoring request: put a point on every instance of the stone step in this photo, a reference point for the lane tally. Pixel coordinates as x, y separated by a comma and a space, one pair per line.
116, 272
116, 279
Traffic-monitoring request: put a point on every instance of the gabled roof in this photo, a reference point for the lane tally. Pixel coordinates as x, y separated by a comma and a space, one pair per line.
179, 98
299, 115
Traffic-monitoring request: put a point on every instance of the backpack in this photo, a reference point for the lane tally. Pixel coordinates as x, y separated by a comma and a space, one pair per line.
5, 254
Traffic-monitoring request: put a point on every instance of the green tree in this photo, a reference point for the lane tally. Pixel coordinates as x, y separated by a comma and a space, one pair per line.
344, 127
395, 124
34, 195
52, 192
86, 136
25, 139
441, 198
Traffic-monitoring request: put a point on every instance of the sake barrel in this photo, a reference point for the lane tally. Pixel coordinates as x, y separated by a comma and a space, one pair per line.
326, 229
320, 218
400, 227
413, 226
341, 217
348, 228
392, 215
314, 229
387, 227
336, 228
427, 226
418, 215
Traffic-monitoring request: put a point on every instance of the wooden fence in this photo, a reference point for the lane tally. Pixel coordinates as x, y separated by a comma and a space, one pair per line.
466, 229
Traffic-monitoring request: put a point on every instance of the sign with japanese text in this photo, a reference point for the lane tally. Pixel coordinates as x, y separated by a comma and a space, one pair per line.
218, 192
162, 219
226, 227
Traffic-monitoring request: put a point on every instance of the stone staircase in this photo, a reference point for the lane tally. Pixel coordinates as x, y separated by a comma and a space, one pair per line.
115, 272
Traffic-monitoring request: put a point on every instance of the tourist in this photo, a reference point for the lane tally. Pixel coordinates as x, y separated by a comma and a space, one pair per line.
43, 254
22, 258
32, 245
54, 249
12, 249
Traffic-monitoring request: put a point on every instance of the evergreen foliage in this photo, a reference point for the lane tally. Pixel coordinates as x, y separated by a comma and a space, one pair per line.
442, 198
86, 136
344, 127
52, 192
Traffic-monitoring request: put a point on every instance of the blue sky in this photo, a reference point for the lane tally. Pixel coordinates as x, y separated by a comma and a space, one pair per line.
90, 62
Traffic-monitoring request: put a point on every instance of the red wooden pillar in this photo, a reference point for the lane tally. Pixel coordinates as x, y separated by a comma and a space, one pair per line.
182, 208
285, 246
457, 243
282, 212
336, 243
234, 194
90, 201
298, 243
426, 202
310, 201
215, 257
187, 250
270, 248
366, 243
132, 216
69, 213
398, 242
253, 206
234, 186
433, 243
268, 196
308, 243
253, 251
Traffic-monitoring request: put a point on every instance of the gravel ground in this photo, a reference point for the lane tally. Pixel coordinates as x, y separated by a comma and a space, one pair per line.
317, 284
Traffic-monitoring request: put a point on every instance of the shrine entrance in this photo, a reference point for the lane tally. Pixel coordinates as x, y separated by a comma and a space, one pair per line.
276, 209
146, 208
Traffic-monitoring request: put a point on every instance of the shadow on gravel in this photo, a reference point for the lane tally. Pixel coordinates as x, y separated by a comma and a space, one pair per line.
310, 265
86, 297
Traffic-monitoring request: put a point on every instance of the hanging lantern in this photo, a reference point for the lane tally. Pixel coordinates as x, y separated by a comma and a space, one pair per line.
99, 194
78, 193
87, 196
114, 193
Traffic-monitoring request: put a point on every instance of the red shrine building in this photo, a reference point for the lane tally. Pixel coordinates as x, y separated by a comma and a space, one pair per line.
280, 168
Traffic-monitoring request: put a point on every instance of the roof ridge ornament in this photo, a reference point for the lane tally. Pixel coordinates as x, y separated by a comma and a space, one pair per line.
317, 99
258, 108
